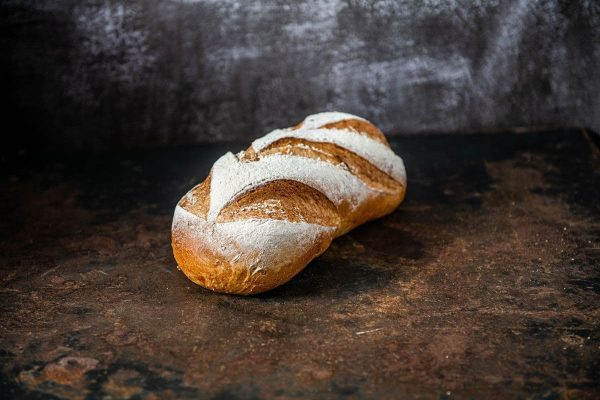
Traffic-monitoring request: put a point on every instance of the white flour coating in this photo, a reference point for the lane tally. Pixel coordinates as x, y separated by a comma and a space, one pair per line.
231, 177
371, 150
325, 118
269, 244
264, 244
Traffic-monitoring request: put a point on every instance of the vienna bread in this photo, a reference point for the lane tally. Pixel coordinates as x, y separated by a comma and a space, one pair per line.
263, 214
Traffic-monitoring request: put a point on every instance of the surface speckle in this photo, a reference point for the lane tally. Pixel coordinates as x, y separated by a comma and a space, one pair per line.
472, 287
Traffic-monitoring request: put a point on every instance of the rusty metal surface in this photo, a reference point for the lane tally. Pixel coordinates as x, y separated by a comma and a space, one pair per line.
485, 283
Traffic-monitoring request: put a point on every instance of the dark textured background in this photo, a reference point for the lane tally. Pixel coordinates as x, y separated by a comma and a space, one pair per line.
98, 74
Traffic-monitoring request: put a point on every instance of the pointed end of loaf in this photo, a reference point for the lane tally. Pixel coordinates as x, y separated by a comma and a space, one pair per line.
217, 259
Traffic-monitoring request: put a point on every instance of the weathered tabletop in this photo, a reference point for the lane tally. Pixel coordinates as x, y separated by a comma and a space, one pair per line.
485, 283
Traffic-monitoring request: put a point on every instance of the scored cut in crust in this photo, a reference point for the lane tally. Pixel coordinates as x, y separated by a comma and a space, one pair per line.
290, 216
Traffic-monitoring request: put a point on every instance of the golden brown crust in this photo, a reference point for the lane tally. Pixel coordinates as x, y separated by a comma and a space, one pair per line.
285, 200
197, 200
367, 172
358, 125
372, 208
281, 200
207, 268
353, 124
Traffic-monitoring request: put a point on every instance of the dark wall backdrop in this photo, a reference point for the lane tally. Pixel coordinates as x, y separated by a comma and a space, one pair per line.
97, 74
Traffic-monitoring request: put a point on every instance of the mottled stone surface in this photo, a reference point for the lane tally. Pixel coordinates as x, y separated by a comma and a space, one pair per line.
101, 74
484, 284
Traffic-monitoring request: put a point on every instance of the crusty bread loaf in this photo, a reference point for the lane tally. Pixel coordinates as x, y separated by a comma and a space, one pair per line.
263, 214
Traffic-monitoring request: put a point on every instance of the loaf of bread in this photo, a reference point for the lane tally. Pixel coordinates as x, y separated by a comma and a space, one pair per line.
263, 214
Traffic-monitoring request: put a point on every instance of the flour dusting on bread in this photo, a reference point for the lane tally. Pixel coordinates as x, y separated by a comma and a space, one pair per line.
270, 241
344, 172
326, 118
371, 150
232, 177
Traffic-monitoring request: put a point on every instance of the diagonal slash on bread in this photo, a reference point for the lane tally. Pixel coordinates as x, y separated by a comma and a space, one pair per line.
263, 214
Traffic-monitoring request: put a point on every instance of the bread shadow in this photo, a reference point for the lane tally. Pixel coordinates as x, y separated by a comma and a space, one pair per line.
366, 259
